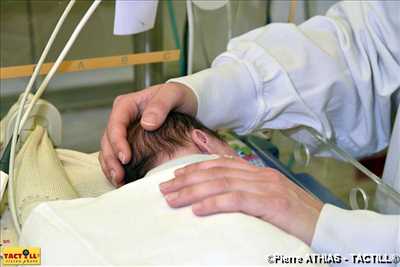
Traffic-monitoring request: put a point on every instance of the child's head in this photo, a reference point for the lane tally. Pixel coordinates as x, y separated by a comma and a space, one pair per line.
180, 135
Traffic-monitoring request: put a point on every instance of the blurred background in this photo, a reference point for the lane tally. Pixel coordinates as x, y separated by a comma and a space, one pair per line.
25, 26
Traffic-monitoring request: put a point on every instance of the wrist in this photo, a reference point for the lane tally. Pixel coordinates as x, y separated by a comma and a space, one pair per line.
189, 99
312, 223
305, 224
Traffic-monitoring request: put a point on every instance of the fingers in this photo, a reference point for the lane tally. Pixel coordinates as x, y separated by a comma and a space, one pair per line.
165, 99
123, 113
205, 175
103, 165
197, 192
109, 163
201, 180
200, 185
245, 202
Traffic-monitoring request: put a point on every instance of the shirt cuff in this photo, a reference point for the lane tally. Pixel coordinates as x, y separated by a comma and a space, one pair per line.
226, 96
356, 231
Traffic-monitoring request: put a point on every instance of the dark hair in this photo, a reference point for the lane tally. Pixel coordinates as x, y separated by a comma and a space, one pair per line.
148, 146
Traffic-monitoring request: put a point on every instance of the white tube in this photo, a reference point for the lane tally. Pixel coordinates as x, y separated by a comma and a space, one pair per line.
189, 12
60, 59
46, 49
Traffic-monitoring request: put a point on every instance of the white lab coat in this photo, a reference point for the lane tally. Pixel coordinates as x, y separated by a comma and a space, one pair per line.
339, 74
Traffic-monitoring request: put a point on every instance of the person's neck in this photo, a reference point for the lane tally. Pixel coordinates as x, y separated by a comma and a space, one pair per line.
179, 153
181, 161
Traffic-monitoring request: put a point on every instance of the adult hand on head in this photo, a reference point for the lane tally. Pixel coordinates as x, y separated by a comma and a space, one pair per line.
233, 185
153, 104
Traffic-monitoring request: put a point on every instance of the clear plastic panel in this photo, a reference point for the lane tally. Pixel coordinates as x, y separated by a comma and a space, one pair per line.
337, 170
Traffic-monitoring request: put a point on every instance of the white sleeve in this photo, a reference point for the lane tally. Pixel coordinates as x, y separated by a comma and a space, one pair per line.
334, 73
356, 232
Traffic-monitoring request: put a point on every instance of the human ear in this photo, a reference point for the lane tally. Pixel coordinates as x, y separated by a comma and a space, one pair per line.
202, 141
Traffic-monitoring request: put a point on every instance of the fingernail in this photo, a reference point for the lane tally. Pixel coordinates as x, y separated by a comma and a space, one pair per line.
164, 186
179, 171
149, 119
113, 176
121, 157
172, 196
197, 207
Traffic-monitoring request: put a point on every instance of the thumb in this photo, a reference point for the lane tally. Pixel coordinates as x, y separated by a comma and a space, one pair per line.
166, 99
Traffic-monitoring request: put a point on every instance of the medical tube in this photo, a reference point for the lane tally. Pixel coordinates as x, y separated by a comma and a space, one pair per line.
60, 58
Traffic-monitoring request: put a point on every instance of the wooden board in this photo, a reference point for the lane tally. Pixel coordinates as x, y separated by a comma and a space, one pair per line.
93, 63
